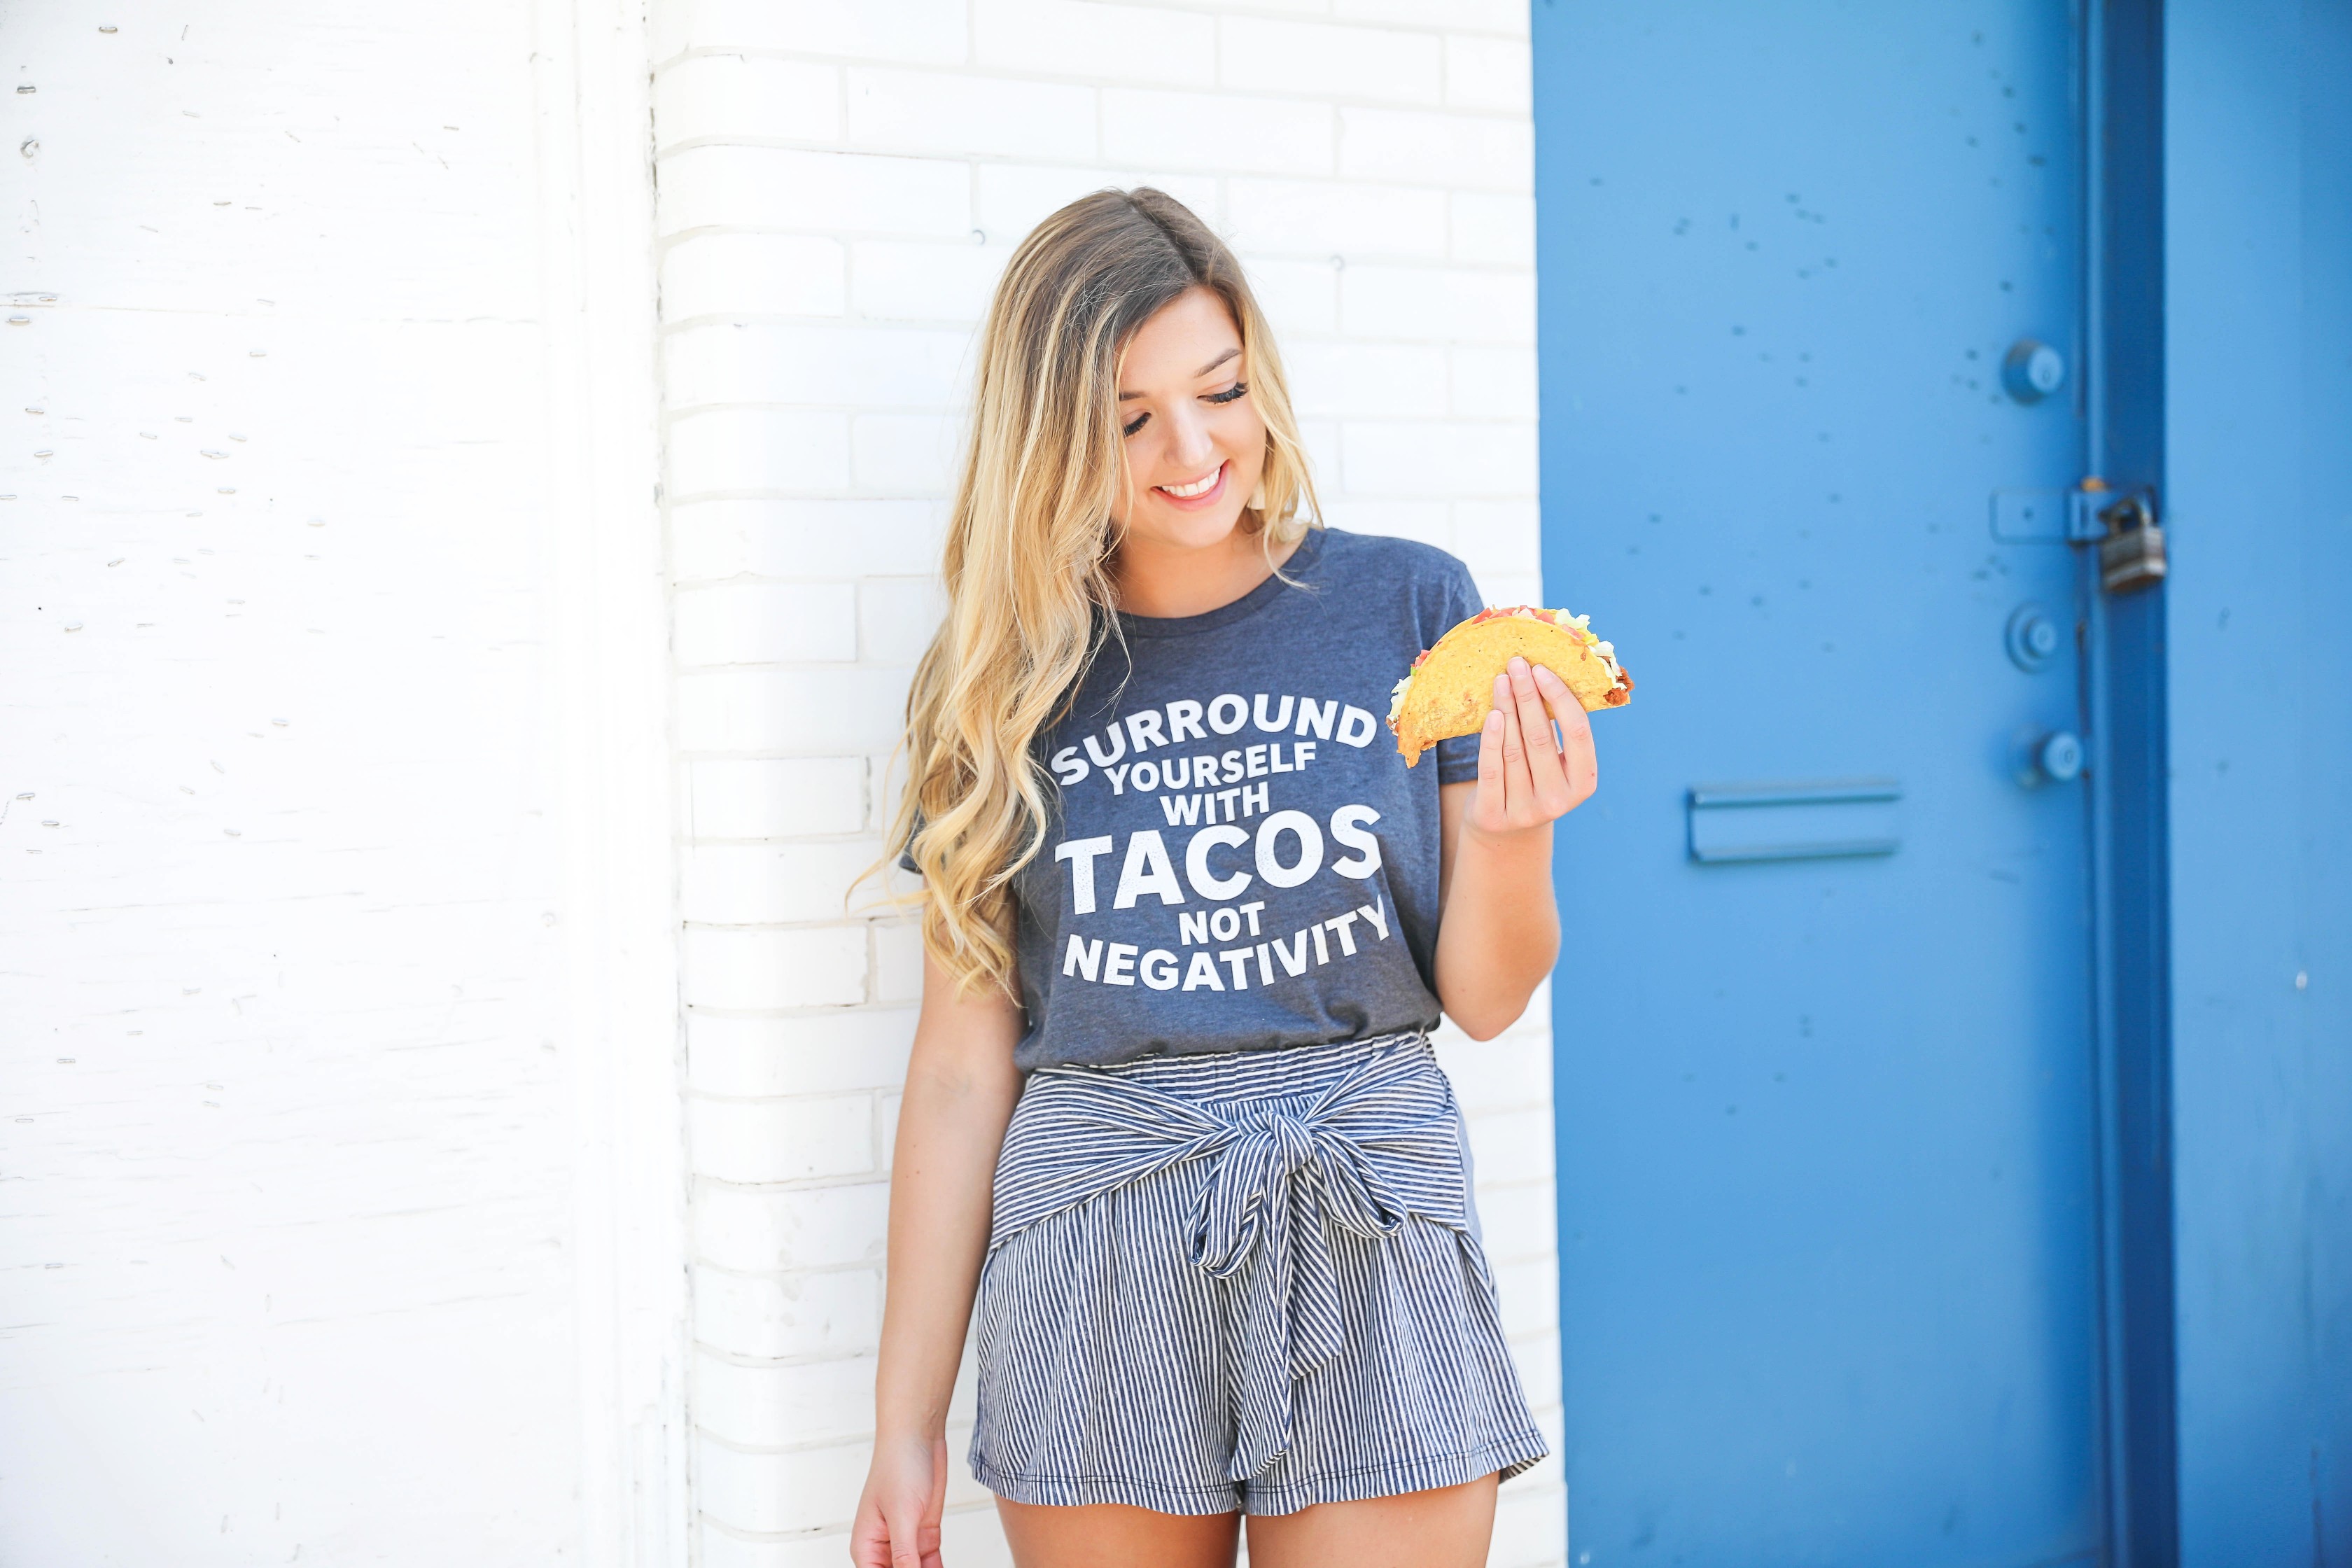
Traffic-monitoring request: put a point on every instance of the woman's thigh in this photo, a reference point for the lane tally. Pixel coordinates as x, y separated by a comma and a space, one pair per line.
1446, 1527
1112, 1535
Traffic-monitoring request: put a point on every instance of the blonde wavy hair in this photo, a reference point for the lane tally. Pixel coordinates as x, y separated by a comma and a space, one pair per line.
1030, 540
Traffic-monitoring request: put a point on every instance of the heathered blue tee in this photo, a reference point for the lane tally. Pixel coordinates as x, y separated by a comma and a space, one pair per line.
1239, 858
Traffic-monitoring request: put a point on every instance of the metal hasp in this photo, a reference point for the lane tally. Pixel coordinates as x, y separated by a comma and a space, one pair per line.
2124, 526
1830, 819
2032, 369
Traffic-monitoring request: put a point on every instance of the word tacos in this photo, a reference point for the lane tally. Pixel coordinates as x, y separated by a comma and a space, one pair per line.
1451, 687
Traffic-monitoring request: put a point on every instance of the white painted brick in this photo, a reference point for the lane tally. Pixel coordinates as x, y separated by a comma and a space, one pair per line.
792, 713
933, 112
1492, 230
724, 449
897, 963
754, 275
1013, 198
1120, 43
807, 1489
781, 1140
716, 1546
758, 884
1537, 1359
1530, 1292
816, 1053
897, 618
816, 364
1224, 132
739, 98
1511, 1073
886, 1126
1496, 74
773, 1406
775, 797
787, 188
1298, 297
1491, 383
1430, 458
740, 970
1344, 377
1321, 219
1322, 60
1471, 152
766, 623
1506, 16
927, 281
806, 537
807, 1313
1518, 1216
905, 453
1516, 590
1498, 536
1451, 303
932, 30
754, 1230
1528, 1524
1429, 521
1513, 1145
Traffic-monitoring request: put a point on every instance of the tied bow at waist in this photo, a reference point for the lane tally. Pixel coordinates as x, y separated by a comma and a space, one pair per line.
1378, 1143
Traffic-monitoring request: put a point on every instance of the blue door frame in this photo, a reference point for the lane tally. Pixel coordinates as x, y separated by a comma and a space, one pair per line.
2123, 153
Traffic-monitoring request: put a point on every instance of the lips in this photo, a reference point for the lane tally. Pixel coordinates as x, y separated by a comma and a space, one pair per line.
1199, 493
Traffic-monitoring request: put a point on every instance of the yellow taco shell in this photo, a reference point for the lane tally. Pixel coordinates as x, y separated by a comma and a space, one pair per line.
1450, 689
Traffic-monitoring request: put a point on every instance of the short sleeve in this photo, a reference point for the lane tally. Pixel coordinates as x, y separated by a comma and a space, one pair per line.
1457, 757
907, 848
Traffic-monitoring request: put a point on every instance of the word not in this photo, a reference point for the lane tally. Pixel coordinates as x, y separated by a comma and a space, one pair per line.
1123, 963
1147, 868
1185, 720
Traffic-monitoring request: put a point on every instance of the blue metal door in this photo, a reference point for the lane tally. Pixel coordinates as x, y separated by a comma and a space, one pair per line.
1828, 1183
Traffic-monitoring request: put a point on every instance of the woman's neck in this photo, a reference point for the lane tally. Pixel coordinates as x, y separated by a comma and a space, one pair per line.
1163, 581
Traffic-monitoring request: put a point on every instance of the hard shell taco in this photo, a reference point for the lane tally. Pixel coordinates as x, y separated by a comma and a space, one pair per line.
1450, 687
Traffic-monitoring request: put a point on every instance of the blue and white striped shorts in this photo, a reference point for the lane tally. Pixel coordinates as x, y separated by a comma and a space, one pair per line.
1240, 1282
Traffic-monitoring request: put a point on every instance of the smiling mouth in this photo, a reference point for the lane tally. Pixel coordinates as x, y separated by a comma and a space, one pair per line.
1194, 488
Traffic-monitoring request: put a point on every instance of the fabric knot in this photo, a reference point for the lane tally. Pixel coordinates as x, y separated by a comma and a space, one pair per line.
1278, 1176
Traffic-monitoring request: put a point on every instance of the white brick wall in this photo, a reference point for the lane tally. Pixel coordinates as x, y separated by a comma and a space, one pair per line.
840, 182
343, 1197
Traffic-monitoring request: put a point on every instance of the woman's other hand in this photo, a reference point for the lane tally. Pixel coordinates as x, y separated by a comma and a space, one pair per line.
1526, 777
898, 1515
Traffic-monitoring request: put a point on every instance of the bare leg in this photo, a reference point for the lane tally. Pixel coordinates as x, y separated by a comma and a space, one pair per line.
1447, 1528
1112, 1535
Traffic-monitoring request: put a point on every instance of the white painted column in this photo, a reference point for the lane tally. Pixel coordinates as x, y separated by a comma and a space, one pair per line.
345, 1207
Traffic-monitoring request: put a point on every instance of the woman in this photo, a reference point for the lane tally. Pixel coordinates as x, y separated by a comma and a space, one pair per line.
1186, 909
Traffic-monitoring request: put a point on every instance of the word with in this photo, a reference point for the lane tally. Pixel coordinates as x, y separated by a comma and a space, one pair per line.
1325, 721
1123, 963
1187, 810
1147, 868
1175, 773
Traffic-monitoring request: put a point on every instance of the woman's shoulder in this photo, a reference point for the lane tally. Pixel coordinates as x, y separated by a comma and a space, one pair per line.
1425, 588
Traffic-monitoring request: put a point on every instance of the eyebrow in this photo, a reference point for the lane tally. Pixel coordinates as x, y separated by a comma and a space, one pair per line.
1230, 354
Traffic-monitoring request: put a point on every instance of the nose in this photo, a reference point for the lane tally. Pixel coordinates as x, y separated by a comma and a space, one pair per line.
1190, 444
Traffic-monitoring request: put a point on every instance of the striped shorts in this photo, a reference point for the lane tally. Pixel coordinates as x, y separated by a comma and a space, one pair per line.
1244, 1282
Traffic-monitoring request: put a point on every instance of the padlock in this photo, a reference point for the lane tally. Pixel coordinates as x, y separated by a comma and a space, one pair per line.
2131, 555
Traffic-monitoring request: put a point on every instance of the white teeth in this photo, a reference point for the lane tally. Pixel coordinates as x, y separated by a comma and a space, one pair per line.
1198, 487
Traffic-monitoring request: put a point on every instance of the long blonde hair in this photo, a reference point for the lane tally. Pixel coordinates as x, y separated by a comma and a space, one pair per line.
1030, 539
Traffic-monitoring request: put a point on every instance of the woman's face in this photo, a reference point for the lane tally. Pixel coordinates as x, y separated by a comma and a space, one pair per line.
1194, 441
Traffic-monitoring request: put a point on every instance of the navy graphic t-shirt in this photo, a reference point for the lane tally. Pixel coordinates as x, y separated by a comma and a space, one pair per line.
1240, 859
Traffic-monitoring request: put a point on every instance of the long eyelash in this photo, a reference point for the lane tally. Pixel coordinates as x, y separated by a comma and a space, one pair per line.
1140, 421
1229, 395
